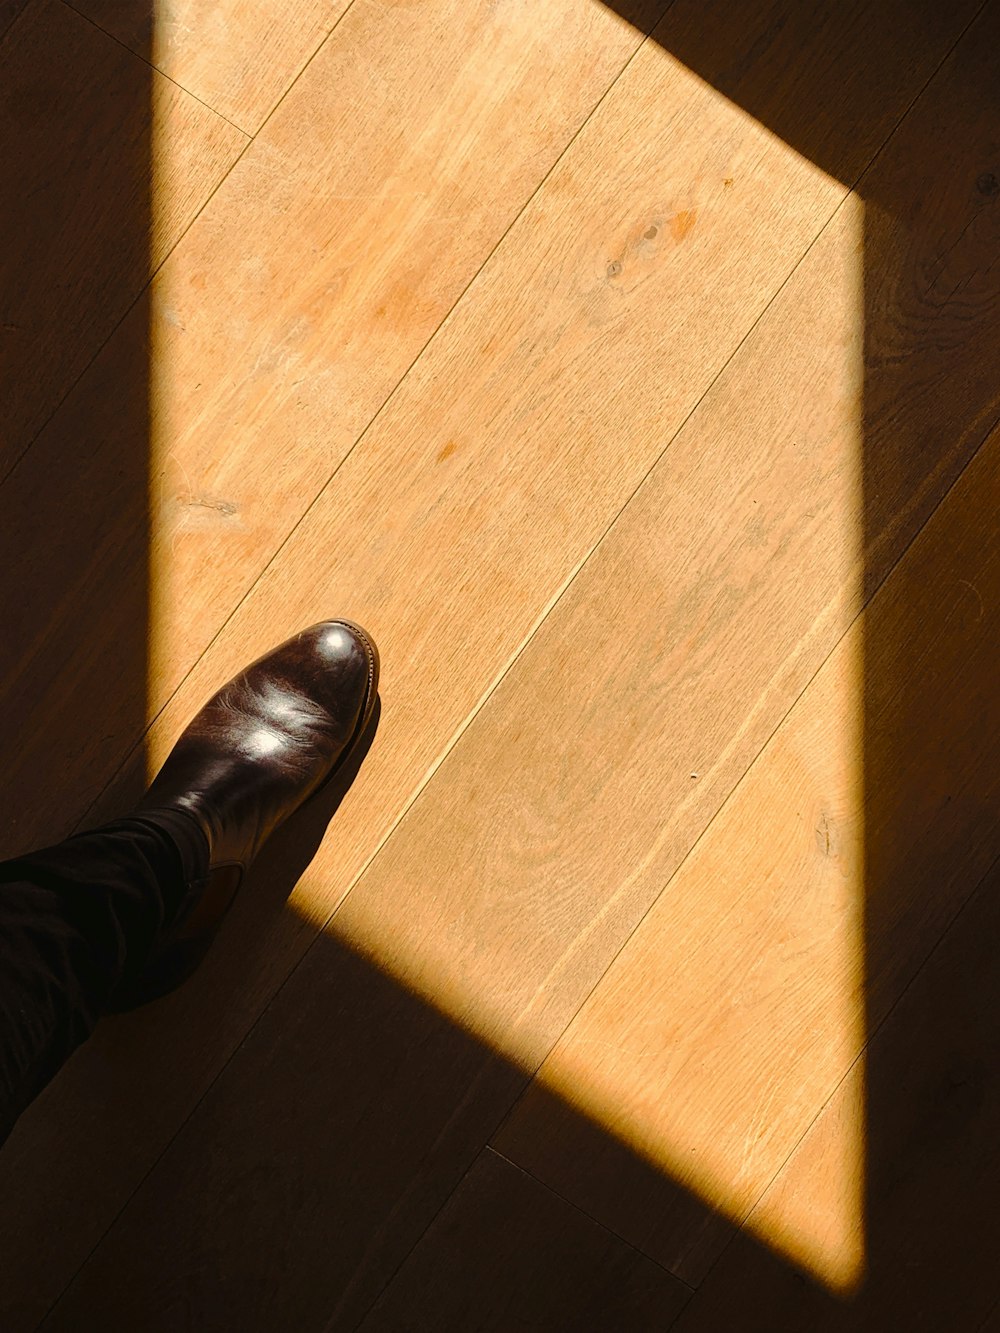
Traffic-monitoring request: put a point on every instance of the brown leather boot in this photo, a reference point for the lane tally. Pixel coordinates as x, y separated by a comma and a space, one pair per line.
258, 750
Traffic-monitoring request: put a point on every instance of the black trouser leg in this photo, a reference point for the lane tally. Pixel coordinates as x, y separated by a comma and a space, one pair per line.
76, 920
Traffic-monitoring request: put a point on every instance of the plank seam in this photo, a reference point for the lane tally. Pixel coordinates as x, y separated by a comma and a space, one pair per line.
132, 751
558, 596
921, 967
489, 1148
16, 463
18, 17
250, 139
68, 4
863, 607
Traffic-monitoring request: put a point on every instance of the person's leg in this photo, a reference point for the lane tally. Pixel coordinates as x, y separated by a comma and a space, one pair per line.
78, 922
116, 917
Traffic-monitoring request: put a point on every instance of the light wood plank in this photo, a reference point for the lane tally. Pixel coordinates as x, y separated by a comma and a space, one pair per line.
518, 435
558, 459
710, 1044
272, 336
930, 1090
237, 58
481, 900
331, 259
507, 1253
80, 233
755, 953
364, 210
736, 1008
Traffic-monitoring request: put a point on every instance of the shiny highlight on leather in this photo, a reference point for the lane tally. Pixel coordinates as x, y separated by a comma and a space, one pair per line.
269, 739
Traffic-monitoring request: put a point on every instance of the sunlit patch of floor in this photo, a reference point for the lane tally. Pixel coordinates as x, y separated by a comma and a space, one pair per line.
731, 1014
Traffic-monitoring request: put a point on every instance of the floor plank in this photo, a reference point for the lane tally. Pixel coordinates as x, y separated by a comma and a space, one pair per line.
295, 304
786, 862
488, 905
218, 410
932, 1093
791, 929
9, 10
313, 1218
80, 232
237, 58
507, 1253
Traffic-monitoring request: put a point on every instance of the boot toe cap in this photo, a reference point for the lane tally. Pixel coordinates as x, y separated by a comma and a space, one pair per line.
344, 662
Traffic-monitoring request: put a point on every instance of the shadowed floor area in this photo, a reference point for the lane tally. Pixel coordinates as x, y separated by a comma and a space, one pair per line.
640, 397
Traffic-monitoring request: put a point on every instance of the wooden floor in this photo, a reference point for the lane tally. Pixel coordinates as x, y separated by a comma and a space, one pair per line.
630, 371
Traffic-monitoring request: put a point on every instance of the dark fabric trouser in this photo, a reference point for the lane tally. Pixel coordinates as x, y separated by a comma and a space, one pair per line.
76, 921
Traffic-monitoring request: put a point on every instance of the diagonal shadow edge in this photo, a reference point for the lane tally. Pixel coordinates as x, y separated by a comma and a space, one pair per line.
893, 767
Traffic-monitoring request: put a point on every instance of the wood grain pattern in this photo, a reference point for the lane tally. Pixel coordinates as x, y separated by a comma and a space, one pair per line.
727, 1021
330, 261
932, 723
507, 1253
404, 559
355, 1107
266, 359
80, 234
363, 215
237, 58
793, 959
517, 436
537, 846
930, 1087
728, 1018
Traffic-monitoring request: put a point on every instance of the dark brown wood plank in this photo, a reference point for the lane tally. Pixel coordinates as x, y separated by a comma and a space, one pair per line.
9, 10
79, 230
506, 1253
